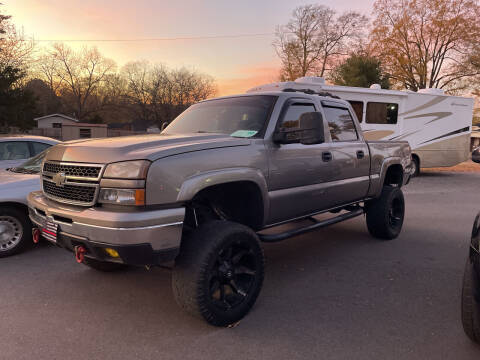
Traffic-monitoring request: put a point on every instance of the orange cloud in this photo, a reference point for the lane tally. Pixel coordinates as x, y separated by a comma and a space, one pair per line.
248, 77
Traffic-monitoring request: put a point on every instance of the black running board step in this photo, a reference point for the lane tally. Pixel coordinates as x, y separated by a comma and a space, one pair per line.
271, 238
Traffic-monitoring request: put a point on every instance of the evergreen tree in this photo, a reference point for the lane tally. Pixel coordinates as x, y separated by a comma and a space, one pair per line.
360, 71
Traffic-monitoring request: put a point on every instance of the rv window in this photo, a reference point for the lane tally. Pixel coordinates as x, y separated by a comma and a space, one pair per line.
382, 113
357, 106
341, 124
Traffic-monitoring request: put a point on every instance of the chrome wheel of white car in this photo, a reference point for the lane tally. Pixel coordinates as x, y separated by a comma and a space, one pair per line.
11, 231
15, 231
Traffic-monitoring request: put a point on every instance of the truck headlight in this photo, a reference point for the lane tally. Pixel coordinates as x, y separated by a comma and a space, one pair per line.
122, 196
136, 169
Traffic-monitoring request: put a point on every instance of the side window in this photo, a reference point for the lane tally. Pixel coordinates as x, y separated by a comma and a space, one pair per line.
294, 111
357, 106
39, 147
382, 113
340, 122
14, 150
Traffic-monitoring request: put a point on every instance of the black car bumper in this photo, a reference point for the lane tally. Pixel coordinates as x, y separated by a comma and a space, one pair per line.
138, 254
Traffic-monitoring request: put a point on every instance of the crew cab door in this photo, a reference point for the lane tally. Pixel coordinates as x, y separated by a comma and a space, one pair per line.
296, 171
350, 164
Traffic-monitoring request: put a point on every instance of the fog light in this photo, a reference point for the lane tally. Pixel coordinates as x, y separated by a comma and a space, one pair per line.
113, 253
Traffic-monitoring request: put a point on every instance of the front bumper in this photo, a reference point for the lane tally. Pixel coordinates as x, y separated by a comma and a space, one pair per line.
140, 237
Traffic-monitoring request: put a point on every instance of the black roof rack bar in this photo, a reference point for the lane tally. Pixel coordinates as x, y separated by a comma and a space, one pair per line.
311, 92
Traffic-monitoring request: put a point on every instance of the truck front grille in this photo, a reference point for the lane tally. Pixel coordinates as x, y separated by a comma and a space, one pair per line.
71, 193
71, 183
73, 170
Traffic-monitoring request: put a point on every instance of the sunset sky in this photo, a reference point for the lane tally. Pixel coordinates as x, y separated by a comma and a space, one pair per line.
235, 63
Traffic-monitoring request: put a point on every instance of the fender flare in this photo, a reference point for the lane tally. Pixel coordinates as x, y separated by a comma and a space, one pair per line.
194, 184
395, 160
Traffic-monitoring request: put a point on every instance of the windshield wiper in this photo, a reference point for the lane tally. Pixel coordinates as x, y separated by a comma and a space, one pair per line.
22, 170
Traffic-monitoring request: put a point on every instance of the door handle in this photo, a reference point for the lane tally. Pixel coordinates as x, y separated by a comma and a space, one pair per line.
360, 154
327, 156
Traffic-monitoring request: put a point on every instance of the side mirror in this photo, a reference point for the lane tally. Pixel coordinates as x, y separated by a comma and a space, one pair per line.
164, 125
309, 132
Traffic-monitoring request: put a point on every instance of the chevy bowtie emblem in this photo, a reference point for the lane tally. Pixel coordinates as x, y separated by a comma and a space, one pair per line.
59, 179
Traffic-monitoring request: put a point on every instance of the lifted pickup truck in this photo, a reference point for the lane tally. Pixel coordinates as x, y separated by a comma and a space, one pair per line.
201, 192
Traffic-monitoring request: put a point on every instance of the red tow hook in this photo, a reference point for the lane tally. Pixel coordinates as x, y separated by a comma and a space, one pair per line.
80, 253
36, 235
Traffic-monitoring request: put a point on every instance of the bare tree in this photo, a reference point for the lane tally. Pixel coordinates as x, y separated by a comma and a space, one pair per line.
3, 21
81, 74
314, 38
16, 50
158, 94
137, 77
47, 68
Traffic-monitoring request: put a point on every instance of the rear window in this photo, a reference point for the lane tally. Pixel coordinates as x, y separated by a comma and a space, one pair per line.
382, 113
340, 123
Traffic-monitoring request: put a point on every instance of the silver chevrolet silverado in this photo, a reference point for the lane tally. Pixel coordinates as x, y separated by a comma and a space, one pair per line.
203, 191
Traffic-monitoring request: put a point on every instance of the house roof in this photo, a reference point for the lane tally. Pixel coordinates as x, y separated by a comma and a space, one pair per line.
79, 124
56, 115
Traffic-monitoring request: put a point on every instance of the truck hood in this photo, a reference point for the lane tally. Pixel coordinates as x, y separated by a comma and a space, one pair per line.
150, 147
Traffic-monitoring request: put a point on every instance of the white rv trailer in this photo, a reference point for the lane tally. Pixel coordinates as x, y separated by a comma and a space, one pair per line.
437, 126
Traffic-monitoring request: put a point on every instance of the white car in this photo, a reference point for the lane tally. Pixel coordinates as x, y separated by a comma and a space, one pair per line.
15, 184
14, 150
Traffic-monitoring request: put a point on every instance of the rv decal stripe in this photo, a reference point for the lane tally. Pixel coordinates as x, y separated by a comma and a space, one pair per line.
438, 115
459, 131
435, 101
401, 136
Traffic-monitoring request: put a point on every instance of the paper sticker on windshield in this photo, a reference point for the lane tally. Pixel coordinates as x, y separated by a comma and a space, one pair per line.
244, 133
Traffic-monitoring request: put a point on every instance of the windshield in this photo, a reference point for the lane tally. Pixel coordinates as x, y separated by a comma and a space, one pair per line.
238, 117
32, 165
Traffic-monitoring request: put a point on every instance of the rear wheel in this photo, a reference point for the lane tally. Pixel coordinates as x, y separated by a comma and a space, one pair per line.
103, 266
15, 231
219, 272
470, 305
385, 214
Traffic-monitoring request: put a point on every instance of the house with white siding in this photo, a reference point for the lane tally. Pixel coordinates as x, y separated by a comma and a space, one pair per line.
54, 121
63, 127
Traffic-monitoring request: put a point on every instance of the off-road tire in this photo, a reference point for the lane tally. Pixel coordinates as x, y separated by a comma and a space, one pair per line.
103, 266
219, 272
385, 214
24, 239
470, 307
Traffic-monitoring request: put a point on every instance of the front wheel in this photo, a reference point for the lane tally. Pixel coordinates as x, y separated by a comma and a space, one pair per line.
219, 272
385, 214
470, 305
15, 231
